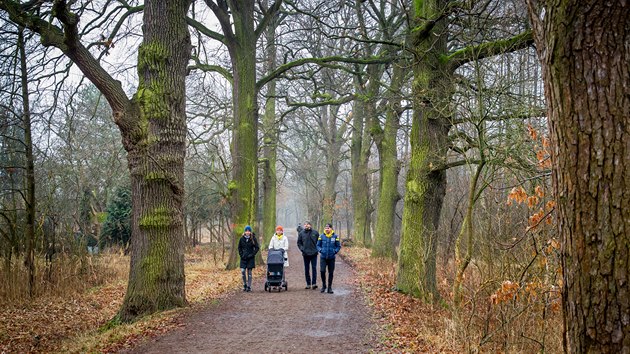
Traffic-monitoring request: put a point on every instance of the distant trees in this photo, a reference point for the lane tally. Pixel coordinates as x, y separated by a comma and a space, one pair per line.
117, 225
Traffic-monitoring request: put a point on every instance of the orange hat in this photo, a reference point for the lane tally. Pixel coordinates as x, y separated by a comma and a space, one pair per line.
279, 228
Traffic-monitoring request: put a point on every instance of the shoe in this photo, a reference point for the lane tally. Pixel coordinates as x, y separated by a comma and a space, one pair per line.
249, 289
330, 291
245, 288
307, 287
314, 286
323, 290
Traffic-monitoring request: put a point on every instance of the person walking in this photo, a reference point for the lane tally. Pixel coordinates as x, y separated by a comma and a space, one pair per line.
247, 249
307, 243
328, 245
279, 241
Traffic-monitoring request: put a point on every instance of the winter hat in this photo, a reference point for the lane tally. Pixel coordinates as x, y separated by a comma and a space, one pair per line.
248, 228
279, 228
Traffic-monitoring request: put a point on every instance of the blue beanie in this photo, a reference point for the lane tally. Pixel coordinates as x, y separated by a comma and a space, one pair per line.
248, 228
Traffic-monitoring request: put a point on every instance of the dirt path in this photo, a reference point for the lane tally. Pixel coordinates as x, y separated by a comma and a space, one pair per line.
296, 321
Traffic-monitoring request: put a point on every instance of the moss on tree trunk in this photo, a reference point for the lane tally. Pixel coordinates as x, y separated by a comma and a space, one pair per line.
245, 131
156, 151
388, 157
425, 185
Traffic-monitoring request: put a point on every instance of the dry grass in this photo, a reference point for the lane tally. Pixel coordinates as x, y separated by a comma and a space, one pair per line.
520, 324
76, 319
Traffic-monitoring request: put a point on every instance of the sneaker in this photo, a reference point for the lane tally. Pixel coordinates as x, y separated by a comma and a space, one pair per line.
244, 287
323, 290
329, 291
307, 287
314, 286
249, 289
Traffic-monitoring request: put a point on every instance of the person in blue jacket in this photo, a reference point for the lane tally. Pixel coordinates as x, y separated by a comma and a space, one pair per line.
328, 245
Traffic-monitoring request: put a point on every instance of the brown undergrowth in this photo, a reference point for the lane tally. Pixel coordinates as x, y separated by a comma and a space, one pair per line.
497, 316
407, 324
79, 321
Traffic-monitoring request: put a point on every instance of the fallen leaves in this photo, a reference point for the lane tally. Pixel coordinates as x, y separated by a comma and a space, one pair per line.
407, 324
71, 323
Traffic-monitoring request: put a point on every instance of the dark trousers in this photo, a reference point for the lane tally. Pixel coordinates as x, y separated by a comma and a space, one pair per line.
310, 262
330, 264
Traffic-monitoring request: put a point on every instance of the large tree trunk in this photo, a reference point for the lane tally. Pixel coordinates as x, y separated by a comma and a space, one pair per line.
245, 130
270, 140
388, 157
153, 128
426, 185
584, 49
29, 200
156, 151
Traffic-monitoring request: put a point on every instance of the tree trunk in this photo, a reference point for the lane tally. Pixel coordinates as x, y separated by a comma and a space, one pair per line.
388, 157
156, 151
270, 139
467, 230
29, 230
360, 154
333, 151
245, 130
426, 184
583, 47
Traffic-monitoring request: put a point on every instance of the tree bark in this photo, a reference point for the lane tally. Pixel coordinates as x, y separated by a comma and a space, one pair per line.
388, 157
584, 51
270, 140
425, 185
359, 156
243, 196
156, 151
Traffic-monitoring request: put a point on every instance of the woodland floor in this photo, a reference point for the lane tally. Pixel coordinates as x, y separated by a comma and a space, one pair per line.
293, 321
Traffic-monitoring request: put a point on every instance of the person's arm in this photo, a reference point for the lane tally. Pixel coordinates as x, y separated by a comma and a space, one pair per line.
319, 244
300, 242
256, 246
337, 245
240, 247
271, 243
286, 245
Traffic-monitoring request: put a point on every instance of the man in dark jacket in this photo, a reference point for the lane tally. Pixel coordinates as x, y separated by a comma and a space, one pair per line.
328, 245
247, 249
307, 243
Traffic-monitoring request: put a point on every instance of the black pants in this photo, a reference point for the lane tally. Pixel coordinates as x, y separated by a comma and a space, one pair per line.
310, 262
330, 264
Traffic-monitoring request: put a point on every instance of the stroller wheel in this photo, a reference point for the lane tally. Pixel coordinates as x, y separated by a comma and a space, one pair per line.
286, 286
266, 286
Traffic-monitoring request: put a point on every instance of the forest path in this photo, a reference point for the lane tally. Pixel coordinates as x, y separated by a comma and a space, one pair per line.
294, 321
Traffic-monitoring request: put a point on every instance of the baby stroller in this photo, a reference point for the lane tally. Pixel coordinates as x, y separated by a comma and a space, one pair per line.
275, 270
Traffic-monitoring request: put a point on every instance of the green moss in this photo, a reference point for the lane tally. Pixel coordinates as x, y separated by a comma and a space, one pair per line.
159, 217
155, 176
232, 186
152, 56
152, 101
418, 7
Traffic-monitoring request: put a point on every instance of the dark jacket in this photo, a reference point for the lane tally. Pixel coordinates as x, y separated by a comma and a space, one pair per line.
247, 250
328, 246
307, 242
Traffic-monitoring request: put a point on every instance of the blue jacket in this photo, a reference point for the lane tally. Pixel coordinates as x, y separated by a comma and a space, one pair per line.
328, 246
